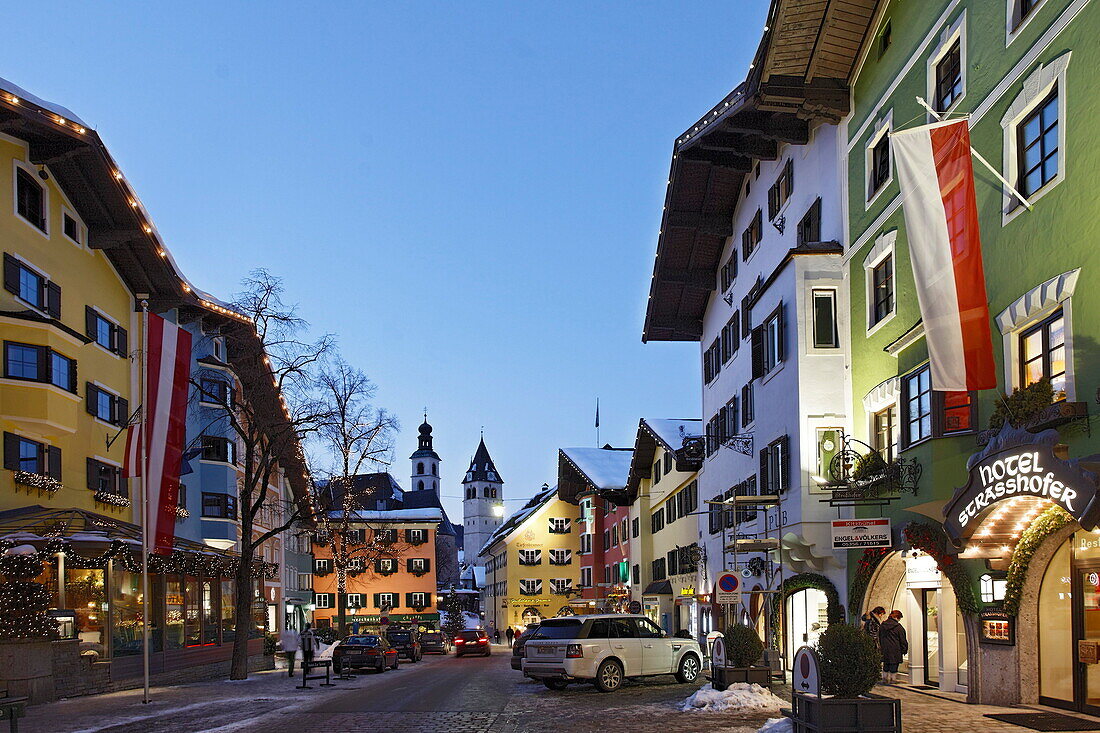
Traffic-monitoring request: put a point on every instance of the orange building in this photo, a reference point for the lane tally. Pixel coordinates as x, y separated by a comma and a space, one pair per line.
400, 585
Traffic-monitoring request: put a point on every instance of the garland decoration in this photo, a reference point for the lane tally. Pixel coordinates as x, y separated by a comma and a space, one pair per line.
37, 480
931, 539
111, 498
802, 581
1046, 524
868, 562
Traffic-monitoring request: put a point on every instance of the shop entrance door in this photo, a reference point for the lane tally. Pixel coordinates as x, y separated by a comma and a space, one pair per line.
1086, 627
930, 626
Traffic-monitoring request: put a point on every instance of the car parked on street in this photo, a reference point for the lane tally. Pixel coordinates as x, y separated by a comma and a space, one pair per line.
517, 645
472, 641
364, 651
434, 642
606, 649
406, 641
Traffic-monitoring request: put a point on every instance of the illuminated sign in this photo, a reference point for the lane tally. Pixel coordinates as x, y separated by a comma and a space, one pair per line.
689, 591
849, 533
1026, 468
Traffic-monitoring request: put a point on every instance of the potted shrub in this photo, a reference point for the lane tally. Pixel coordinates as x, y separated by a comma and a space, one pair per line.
743, 651
849, 668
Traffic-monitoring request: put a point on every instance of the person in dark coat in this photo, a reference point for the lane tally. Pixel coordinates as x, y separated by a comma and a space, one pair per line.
893, 644
510, 633
872, 621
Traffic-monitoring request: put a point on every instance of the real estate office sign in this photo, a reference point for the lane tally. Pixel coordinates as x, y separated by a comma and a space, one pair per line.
1020, 464
861, 533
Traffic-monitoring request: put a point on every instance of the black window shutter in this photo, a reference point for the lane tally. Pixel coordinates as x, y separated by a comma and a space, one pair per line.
782, 329
764, 470
377, 566
122, 411
11, 274
746, 317
53, 300
91, 398
53, 462
377, 600
122, 342
73, 382
427, 564
11, 451
409, 600
409, 565
45, 363
93, 474
90, 321
785, 464
757, 352
789, 172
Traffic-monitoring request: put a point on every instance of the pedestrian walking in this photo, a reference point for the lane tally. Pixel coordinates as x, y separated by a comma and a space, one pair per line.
893, 644
510, 634
309, 645
496, 636
872, 621
290, 642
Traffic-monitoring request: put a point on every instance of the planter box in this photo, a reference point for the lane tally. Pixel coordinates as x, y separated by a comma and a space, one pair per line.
868, 714
723, 677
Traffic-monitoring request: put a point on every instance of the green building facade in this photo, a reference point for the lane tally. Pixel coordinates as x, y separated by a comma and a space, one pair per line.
1005, 606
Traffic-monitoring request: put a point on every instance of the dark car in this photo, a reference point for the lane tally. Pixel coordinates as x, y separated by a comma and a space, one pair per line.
364, 651
434, 642
517, 645
406, 642
472, 641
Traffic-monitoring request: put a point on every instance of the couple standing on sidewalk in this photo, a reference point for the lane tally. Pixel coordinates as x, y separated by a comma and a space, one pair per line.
891, 639
292, 642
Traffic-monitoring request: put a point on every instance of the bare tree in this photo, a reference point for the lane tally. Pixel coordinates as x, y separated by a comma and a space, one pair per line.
275, 411
358, 436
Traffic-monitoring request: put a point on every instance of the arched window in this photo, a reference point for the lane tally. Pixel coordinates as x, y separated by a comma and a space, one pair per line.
420, 469
435, 470
486, 492
435, 485
494, 493
420, 485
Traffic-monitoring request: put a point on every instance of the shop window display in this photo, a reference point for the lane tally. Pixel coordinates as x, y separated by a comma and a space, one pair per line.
86, 594
173, 612
228, 609
126, 609
1056, 630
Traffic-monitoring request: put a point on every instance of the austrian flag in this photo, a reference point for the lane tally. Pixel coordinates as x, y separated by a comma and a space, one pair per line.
941, 222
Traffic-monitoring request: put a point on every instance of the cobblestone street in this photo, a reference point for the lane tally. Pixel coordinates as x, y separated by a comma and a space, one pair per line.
442, 694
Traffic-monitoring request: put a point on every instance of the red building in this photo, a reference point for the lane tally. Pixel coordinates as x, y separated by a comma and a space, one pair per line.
595, 480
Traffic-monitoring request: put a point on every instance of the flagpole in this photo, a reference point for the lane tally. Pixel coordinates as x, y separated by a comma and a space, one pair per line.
983, 161
144, 498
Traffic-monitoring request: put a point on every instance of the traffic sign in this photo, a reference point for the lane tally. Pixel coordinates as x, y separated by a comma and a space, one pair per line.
728, 588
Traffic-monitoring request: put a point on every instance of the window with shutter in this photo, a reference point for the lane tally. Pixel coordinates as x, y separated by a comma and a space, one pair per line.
809, 228
758, 352
748, 413
30, 199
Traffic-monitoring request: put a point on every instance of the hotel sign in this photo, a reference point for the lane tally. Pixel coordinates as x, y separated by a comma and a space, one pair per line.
1028, 470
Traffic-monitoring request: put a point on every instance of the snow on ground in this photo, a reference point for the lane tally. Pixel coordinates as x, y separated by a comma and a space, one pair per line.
777, 725
741, 697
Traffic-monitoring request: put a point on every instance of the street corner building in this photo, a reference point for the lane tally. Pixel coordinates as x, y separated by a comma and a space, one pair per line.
84, 270
875, 434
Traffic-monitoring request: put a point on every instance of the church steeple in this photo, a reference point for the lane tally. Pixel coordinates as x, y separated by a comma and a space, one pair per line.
483, 503
425, 461
482, 467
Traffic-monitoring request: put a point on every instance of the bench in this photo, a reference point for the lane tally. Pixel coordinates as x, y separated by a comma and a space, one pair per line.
11, 710
307, 667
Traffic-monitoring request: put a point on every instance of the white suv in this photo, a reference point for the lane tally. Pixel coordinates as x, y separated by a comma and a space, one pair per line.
604, 649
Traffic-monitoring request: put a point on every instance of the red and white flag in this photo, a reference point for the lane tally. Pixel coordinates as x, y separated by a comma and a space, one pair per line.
167, 369
941, 223
131, 468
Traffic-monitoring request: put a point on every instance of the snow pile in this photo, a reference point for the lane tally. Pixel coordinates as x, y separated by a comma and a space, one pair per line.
741, 696
777, 725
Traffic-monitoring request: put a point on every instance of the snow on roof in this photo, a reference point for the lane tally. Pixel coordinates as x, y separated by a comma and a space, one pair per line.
532, 506
672, 432
395, 515
603, 468
57, 109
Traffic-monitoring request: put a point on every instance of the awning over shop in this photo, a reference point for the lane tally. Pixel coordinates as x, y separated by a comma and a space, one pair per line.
658, 588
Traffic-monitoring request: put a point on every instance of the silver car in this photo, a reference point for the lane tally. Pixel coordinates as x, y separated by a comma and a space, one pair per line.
605, 649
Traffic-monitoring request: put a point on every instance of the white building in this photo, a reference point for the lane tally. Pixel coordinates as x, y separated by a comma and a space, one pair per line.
482, 503
750, 265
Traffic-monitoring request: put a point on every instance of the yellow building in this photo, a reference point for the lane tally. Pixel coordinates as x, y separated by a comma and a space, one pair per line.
531, 568
667, 547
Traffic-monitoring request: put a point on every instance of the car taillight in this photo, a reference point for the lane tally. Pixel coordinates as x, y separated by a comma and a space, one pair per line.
573, 651
482, 641
460, 641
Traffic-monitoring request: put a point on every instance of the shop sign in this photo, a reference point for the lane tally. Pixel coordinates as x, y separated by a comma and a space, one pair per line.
1088, 651
921, 571
1029, 469
727, 589
996, 627
805, 677
861, 533
688, 591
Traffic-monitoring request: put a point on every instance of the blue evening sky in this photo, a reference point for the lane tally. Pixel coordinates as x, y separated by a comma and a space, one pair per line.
466, 193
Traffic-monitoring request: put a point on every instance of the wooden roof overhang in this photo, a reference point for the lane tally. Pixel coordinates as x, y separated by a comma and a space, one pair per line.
574, 485
799, 78
77, 158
